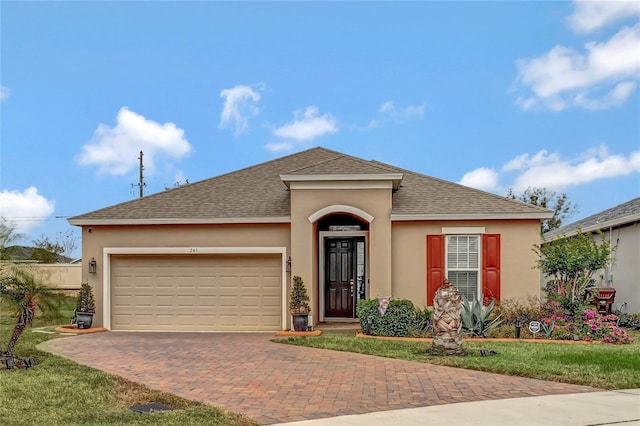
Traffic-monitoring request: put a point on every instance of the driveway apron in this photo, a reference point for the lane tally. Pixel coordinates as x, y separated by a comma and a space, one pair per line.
277, 383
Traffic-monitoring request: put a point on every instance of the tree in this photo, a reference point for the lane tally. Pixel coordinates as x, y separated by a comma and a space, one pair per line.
559, 203
8, 235
67, 241
570, 263
46, 251
25, 295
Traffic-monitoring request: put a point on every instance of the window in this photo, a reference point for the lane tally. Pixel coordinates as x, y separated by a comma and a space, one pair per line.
458, 256
463, 264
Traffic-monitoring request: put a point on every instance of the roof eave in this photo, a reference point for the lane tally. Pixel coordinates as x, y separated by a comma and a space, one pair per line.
602, 226
179, 221
469, 216
395, 178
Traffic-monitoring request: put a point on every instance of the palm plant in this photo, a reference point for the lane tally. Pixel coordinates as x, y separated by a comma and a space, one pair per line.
26, 295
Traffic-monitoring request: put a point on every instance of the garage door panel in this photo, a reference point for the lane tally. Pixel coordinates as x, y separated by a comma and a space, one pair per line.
201, 293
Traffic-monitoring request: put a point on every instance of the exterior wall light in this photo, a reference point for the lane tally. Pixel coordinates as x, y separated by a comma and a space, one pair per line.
289, 264
92, 266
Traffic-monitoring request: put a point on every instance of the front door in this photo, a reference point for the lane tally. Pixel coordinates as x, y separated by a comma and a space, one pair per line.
339, 277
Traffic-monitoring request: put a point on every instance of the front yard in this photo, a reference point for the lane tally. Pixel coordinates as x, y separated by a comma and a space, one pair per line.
605, 366
59, 391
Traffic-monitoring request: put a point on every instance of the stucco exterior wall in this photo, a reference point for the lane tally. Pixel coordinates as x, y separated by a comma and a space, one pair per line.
96, 238
306, 202
518, 278
63, 276
624, 275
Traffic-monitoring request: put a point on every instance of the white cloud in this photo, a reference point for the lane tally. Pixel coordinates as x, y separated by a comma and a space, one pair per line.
526, 161
401, 114
115, 150
482, 178
592, 15
564, 77
239, 105
279, 146
615, 97
4, 93
307, 125
603, 74
551, 171
26, 209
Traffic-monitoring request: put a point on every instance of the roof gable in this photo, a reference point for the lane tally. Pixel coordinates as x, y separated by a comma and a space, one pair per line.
257, 194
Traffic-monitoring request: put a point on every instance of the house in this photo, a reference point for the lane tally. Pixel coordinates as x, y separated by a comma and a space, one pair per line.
621, 226
219, 254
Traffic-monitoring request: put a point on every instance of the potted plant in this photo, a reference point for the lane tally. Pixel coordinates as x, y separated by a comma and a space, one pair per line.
85, 307
299, 305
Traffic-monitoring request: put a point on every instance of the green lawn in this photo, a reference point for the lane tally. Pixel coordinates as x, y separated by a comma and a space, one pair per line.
60, 392
604, 366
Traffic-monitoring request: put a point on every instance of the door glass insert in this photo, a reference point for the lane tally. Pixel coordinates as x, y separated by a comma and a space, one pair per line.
360, 271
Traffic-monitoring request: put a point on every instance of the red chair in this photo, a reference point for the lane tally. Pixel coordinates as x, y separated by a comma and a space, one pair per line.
604, 299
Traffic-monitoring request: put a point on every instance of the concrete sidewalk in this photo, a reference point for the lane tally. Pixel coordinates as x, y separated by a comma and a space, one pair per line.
621, 407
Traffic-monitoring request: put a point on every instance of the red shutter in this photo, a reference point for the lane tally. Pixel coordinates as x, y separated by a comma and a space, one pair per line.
491, 266
435, 265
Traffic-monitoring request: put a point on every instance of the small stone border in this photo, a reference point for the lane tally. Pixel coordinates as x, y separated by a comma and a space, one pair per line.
288, 333
73, 329
360, 334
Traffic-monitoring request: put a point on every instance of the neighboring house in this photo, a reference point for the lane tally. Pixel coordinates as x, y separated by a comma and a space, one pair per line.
219, 254
621, 226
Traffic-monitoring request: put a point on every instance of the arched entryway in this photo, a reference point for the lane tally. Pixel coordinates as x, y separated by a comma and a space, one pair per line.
343, 267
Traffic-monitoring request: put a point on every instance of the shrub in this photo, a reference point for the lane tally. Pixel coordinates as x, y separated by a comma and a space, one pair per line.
512, 310
299, 300
570, 264
401, 318
86, 302
629, 321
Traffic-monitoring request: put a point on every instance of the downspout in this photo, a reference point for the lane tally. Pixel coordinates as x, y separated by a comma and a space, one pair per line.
610, 278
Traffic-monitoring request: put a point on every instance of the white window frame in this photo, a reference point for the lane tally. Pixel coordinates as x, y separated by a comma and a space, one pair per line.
478, 270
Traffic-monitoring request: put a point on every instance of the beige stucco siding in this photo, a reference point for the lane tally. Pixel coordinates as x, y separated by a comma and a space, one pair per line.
100, 237
304, 246
517, 276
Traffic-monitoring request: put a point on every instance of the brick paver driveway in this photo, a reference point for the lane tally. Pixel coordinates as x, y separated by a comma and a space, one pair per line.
271, 382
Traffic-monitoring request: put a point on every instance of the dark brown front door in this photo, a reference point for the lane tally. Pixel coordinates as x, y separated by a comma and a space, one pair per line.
339, 277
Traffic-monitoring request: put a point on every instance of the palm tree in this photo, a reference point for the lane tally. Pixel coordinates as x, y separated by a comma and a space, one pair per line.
25, 295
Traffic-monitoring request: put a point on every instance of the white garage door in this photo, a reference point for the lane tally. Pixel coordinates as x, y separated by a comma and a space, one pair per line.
196, 292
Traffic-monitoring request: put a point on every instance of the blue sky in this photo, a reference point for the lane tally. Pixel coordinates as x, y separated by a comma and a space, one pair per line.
494, 95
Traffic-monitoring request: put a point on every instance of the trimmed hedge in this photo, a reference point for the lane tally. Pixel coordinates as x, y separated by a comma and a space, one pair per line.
401, 319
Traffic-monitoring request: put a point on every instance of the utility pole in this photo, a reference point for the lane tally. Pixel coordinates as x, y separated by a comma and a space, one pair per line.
141, 184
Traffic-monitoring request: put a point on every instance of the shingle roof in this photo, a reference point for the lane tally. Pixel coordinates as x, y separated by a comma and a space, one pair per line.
621, 214
258, 192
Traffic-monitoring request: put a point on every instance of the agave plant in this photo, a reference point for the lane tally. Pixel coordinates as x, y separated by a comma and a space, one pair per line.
476, 319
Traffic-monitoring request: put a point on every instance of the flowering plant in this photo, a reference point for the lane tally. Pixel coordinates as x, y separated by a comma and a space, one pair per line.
592, 326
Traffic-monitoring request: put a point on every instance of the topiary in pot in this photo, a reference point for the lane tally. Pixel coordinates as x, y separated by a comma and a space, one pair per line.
299, 304
85, 307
